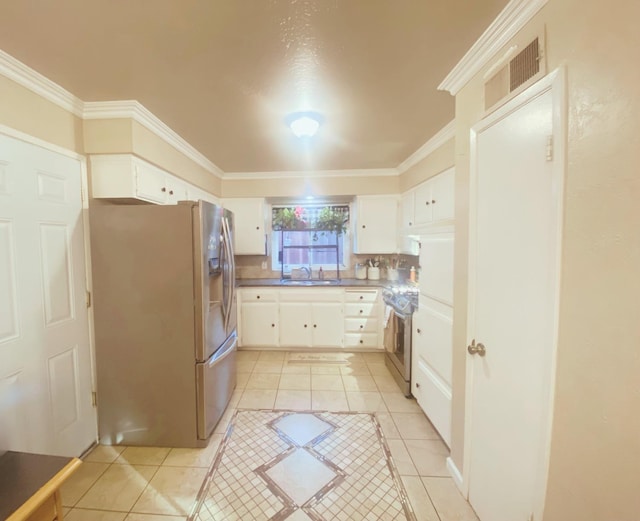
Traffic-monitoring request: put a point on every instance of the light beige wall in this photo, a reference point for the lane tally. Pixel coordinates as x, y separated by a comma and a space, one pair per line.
316, 186
439, 160
149, 146
595, 452
27, 112
108, 136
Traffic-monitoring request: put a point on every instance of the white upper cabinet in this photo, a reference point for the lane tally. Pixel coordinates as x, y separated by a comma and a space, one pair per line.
249, 221
124, 176
443, 196
376, 223
407, 209
434, 199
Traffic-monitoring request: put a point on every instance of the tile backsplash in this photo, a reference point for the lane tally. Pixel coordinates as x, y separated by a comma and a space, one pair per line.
250, 266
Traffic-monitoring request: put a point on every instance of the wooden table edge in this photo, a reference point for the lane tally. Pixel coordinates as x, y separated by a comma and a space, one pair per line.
45, 492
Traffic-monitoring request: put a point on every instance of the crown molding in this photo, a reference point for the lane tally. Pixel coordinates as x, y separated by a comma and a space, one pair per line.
440, 138
513, 17
134, 110
34, 81
297, 174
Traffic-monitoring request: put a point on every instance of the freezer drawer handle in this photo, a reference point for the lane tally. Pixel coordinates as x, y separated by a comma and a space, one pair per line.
221, 354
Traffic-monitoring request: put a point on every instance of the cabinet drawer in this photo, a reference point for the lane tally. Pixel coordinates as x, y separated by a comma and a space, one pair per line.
314, 295
361, 340
360, 310
360, 325
259, 295
360, 295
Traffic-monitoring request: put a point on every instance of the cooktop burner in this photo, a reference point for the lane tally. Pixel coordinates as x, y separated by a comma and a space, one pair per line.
402, 297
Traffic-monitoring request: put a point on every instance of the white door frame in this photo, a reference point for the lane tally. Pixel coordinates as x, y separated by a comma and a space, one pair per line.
84, 184
554, 82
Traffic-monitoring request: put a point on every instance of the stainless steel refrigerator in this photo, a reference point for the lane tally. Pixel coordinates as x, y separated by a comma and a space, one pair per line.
165, 321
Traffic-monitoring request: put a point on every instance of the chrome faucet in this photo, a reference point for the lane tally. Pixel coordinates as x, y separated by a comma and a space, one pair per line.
307, 271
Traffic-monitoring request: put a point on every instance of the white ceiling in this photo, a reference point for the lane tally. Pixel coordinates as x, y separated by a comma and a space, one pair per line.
224, 74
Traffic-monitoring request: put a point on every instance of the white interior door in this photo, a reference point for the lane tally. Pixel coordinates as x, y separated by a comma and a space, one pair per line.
514, 266
45, 358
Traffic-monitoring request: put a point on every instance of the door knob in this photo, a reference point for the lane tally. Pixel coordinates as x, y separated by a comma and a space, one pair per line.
478, 348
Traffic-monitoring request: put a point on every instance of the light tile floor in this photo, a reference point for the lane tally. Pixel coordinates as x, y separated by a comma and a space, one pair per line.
161, 484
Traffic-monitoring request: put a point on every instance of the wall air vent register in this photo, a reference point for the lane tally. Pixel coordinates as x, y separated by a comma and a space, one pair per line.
506, 78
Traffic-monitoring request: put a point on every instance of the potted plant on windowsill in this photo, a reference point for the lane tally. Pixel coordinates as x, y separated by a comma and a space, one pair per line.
289, 219
331, 220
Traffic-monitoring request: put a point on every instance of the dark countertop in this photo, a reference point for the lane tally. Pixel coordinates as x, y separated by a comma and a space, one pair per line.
22, 475
342, 283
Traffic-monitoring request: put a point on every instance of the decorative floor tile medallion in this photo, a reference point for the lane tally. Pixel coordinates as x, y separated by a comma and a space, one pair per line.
293, 466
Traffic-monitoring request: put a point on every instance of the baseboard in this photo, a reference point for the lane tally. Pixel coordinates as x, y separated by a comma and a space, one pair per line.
456, 475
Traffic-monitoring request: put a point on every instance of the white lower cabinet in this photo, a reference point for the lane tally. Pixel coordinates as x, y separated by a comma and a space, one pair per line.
431, 359
258, 317
310, 318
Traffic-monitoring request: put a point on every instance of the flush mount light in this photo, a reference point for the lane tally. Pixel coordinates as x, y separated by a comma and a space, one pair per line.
304, 124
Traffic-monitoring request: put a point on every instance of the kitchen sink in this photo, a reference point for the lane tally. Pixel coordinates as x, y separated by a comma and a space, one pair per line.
309, 282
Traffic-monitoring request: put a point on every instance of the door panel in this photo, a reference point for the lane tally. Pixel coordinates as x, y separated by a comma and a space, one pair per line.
513, 310
56, 273
45, 358
436, 262
8, 297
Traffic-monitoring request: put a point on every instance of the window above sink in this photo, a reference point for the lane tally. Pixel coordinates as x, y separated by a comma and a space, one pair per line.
310, 236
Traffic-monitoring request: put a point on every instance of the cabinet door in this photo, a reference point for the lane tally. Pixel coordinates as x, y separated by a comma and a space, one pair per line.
442, 196
436, 266
150, 184
296, 324
407, 205
432, 393
249, 225
259, 324
376, 224
423, 206
177, 190
328, 324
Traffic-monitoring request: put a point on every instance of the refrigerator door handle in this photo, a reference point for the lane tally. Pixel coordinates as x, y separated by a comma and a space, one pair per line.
230, 272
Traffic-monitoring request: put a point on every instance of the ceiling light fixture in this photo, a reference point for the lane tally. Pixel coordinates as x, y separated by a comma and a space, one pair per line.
304, 124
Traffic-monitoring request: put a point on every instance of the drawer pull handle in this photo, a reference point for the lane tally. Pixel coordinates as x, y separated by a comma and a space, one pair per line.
258, 296
361, 326
273, 325
163, 189
305, 325
361, 311
315, 325
170, 192
361, 297
419, 330
362, 341
417, 385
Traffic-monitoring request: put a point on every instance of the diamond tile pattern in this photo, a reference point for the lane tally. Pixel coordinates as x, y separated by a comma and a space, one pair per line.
254, 475
300, 475
302, 428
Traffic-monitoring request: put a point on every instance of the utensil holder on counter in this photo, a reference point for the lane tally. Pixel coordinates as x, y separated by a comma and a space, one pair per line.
361, 271
392, 274
373, 273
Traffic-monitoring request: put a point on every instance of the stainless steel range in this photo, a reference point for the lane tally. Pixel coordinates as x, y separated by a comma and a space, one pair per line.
401, 301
